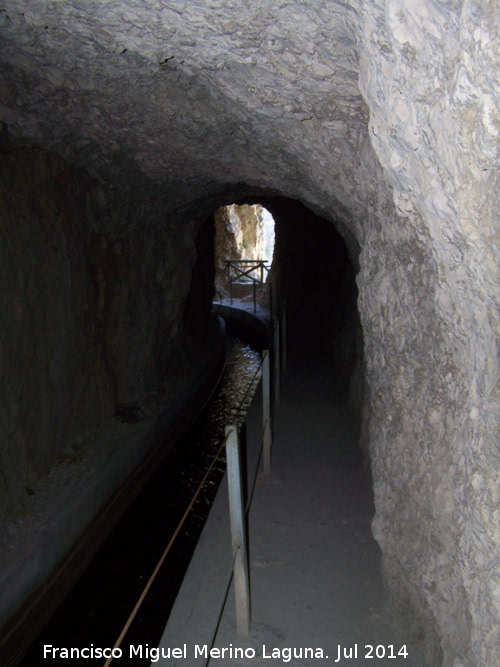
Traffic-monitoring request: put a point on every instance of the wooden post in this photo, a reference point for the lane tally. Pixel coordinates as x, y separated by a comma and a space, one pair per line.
238, 532
266, 410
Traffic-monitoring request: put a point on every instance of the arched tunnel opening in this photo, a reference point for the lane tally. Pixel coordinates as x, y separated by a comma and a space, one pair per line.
244, 249
369, 130
313, 273
246, 234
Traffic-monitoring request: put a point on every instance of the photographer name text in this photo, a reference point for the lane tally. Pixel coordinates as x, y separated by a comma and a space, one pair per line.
285, 654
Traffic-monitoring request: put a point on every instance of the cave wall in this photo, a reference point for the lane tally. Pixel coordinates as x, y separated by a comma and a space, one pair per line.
201, 290
379, 115
92, 303
143, 257
54, 380
429, 307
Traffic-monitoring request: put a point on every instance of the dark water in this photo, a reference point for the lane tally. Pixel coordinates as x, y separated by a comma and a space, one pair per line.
100, 603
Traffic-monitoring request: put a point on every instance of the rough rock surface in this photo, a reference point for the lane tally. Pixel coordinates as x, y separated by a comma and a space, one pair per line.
383, 116
50, 332
429, 288
87, 328
239, 233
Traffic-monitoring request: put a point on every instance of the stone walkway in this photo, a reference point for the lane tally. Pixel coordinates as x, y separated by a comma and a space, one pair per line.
314, 566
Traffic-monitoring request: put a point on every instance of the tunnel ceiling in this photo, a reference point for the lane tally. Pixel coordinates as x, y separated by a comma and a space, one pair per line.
260, 92
308, 99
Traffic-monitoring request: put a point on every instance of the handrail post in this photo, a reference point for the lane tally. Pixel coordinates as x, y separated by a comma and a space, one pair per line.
266, 410
238, 532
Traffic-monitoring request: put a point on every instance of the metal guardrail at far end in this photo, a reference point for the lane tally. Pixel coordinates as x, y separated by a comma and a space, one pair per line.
244, 272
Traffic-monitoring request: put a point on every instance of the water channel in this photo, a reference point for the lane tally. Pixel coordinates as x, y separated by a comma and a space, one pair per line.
98, 606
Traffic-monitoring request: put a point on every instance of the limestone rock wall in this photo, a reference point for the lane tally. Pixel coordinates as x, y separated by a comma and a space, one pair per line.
54, 379
239, 233
92, 307
429, 306
142, 259
380, 115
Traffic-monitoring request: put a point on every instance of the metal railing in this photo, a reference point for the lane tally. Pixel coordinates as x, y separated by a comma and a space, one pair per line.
237, 510
239, 568
245, 272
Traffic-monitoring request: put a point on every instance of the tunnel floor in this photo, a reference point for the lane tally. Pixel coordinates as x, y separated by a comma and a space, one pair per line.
314, 565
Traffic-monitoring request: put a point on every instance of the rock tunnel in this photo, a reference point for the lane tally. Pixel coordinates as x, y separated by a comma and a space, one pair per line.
125, 125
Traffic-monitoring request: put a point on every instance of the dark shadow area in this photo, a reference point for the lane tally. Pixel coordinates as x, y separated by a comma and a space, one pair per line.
96, 609
200, 295
313, 273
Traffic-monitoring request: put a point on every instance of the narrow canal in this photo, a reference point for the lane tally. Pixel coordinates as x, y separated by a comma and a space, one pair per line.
100, 603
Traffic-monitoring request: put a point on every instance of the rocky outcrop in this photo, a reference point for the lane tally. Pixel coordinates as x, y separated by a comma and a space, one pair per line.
239, 234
